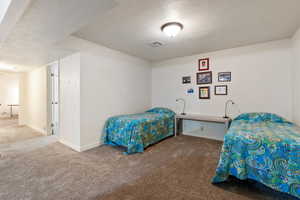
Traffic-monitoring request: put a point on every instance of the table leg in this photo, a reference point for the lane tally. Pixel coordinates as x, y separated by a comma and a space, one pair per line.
175, 125
11, 114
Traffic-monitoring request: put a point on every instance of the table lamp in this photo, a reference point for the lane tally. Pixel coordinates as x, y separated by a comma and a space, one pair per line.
226, 106
181, 99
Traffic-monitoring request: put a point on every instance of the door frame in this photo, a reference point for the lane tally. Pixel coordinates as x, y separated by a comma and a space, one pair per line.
49, 97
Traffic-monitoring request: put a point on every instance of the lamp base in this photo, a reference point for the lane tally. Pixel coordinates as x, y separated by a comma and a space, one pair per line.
226, 117
183, 113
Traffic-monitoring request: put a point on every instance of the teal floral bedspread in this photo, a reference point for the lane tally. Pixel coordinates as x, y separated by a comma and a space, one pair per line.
137, 131
263, 147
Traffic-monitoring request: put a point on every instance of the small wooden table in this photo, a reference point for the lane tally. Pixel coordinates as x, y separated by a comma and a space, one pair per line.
179, 118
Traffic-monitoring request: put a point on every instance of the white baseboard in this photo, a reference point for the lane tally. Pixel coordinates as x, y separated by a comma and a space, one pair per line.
37, 129
89, 146
69, 144
80, 148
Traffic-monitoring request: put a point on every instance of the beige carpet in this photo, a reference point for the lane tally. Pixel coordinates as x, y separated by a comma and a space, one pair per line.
11, 132
177, 169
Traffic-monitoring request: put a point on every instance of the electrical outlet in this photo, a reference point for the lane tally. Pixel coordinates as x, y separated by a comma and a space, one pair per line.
202, 128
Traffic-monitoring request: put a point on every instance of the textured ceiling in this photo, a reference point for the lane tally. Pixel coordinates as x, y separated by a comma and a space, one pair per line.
208, 25
37, 33
34, 39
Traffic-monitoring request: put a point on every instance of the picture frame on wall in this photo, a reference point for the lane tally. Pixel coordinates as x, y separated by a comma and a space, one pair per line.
203, 64
204, 78
204, 92
224, 76
186, 79
221, 90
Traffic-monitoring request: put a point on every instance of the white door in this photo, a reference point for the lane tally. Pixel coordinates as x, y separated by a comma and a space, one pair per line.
54, 70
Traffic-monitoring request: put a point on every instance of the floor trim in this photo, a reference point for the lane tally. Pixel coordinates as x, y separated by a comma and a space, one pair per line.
89, 146
80, 148
37, 129
69, 144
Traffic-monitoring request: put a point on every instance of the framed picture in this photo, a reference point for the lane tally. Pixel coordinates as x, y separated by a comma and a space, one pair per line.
190, 91
221, 90
204, 93
203, 64
204, 78
186, 79
224, 76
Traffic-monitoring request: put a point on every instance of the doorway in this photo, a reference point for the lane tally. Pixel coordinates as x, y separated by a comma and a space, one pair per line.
9, 95
10, 130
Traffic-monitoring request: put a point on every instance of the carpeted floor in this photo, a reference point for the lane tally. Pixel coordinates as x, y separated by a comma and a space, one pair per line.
11, 132
177, 168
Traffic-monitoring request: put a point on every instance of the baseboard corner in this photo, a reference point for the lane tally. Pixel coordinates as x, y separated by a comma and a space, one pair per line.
89, 146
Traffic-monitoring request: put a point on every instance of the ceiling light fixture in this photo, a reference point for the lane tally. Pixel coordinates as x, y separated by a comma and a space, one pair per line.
6, 67
171, 29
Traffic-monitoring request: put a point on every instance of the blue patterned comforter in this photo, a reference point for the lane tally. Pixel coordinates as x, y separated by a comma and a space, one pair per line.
263, 147
137, 131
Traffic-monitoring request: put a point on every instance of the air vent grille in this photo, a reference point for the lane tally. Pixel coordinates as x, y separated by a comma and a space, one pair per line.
156, 44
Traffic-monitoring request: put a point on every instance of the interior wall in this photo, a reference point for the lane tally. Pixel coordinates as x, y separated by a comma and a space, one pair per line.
296, 77
112, 83
95, 84
33, 99
261, 81
9, 93
70, 101
102, 82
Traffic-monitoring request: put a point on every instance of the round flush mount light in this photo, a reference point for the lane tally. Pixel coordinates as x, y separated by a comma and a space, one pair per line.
171, 29
6, 67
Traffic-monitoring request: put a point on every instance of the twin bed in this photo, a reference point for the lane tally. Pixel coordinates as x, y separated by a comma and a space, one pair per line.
263, 147
137, 131
259, 146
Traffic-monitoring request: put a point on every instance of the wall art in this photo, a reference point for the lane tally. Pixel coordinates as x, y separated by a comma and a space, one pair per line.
204, 92
190, 91
204, 78
221, 90
186, 80
224, 76
203, 64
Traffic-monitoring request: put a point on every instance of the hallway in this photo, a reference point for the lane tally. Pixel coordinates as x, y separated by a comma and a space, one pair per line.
11, 132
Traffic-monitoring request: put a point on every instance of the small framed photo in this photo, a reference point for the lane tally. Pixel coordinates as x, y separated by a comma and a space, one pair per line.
204, 78
203, 64
190, 91
224, 76
221, 90
204, 93
186, 80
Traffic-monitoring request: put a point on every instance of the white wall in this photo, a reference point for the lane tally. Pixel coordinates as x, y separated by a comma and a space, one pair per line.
112, 83
98, 83
296, 77
70, 101
261, 81
33, 99
9, 93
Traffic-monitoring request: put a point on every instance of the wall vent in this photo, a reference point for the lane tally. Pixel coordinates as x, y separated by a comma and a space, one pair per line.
156, 44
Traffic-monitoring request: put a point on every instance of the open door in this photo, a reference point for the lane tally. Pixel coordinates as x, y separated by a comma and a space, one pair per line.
54, 97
